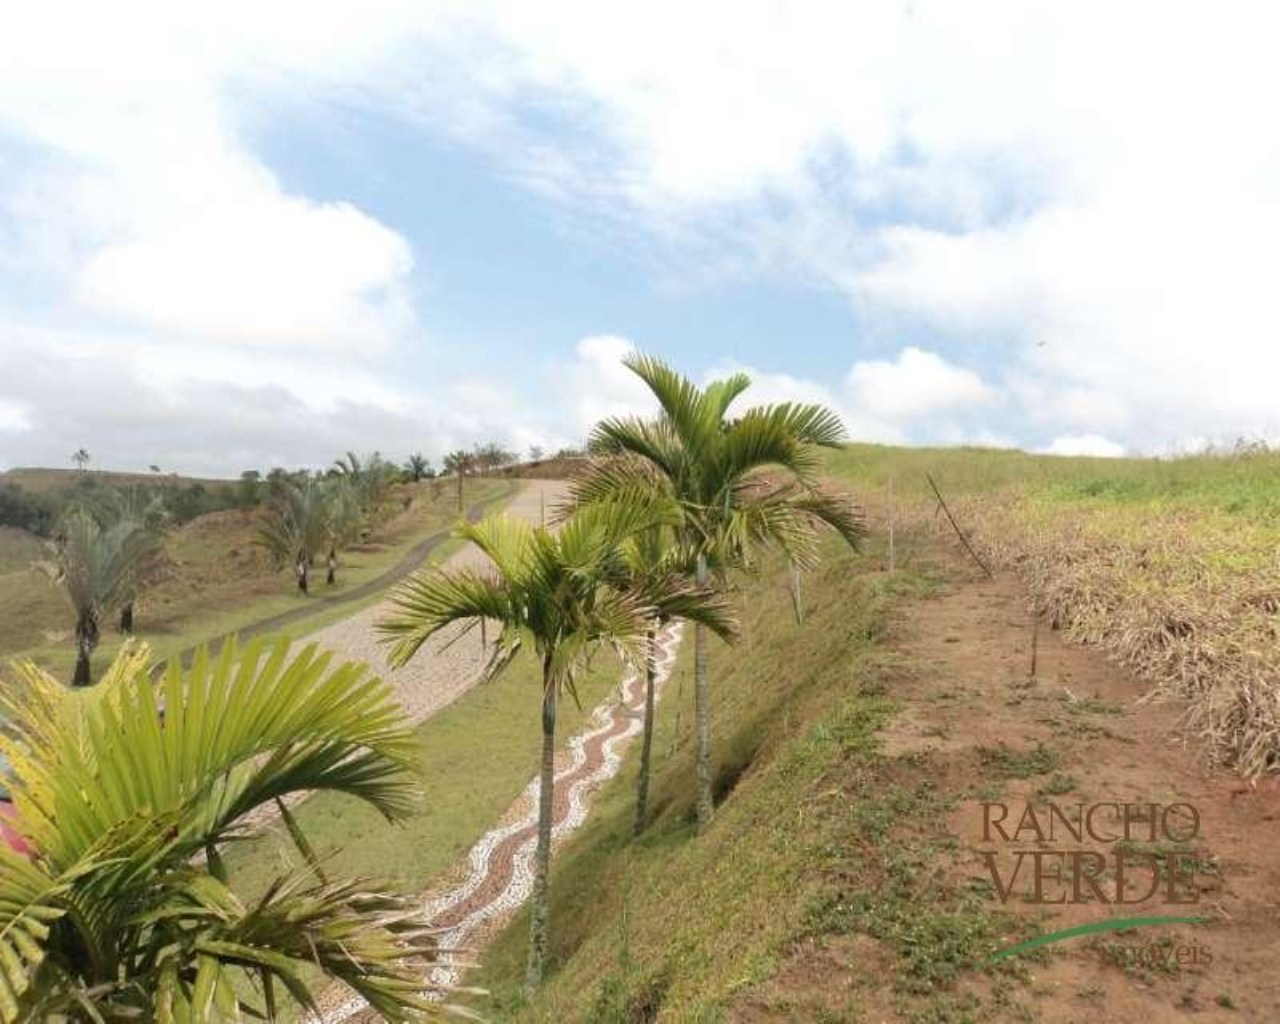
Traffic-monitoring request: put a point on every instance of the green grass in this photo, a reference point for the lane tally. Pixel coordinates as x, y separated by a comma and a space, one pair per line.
811, 814
1247, 484
1005, 762
222, 583
477, 755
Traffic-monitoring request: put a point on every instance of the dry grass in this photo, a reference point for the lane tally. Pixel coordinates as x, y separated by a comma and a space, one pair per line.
1171, 566
1187, 598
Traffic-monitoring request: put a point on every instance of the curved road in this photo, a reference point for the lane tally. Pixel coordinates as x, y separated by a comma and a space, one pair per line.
412, 560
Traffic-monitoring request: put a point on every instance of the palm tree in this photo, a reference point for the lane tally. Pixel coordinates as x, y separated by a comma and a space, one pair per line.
294, 525
738, 482
147, 512
554, 593
417, 468
459, 463
653, 564
344, 520
97, 569
368, 478
129, 793
81, 458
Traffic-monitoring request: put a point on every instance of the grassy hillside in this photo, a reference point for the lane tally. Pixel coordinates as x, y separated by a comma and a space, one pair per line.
216, 580
18, 549
42, 480
826, 890
1247, 483
676, 927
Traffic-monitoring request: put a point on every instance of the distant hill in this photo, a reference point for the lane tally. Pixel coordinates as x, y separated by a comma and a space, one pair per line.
39, 480
18, 549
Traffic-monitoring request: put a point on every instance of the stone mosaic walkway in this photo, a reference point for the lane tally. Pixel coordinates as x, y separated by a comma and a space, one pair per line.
499, 869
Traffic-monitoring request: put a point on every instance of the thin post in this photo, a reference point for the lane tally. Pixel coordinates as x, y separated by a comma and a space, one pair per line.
1035, 638
956, 526
891, 558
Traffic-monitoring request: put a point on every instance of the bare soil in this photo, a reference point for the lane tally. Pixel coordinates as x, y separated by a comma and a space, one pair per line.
1077, 732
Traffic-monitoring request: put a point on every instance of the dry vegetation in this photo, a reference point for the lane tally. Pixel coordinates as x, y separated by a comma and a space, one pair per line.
1171, 566
1186, 598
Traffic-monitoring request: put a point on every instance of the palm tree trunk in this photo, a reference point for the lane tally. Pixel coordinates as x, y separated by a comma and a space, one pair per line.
86, 640
126, 619
702, 712
542, 856
646, 745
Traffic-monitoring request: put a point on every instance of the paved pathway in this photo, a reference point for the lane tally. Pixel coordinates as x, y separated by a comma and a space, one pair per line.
449, 664
498, 874
446, 667
499, 869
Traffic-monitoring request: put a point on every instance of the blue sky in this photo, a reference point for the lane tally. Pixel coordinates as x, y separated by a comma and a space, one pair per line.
246, 235
515, 275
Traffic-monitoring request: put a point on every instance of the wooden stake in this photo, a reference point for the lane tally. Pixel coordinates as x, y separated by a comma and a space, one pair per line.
1035, 638
891, 556
959, 533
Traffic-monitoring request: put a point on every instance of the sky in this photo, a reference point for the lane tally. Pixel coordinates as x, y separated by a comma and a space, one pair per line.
244, 235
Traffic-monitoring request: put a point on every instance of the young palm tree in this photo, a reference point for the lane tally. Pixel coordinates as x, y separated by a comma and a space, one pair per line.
738, 482
461, 464
147, 511
368, 478
97, 569
294, 525
556, 594
345, 520
652, 563
127, 795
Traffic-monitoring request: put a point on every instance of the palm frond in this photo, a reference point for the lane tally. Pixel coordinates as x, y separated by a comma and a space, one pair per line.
655, 441
429, 601
681, 402
117, 788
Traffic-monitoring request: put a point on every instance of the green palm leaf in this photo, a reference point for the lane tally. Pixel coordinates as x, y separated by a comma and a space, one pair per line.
118, 788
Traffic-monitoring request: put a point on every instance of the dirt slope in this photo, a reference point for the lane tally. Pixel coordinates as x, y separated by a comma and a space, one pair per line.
1076, 733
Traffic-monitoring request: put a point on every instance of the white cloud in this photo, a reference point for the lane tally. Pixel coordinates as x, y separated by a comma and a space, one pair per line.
137, 195
15, 418
917, 384
598, 386
1084, 444
1047, 182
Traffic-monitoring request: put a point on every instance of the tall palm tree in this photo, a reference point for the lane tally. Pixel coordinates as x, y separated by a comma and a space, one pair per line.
556, 594
128, 794
97, 569
294, 525
739, 483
